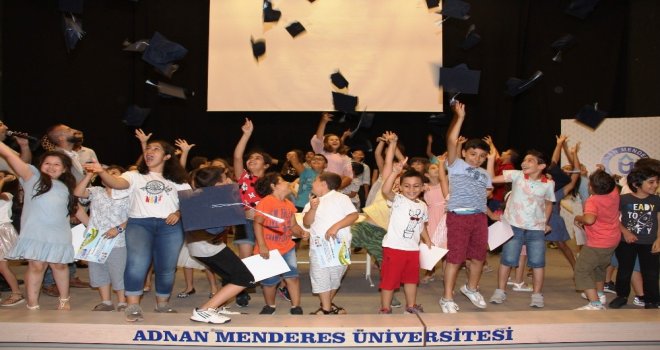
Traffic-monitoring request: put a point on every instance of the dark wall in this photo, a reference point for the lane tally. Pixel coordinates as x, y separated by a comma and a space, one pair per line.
614, 63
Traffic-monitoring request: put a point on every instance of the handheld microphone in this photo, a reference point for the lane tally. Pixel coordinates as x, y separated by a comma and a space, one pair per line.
21, 135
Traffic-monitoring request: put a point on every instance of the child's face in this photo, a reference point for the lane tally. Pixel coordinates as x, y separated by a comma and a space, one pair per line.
255, 163
334, 142
53, 167
411, 187
308, 156
530, 165
434, 170
474, 156
358, 156
649, 186
418, 166
282, 188
318, 163
319, 187
155, 156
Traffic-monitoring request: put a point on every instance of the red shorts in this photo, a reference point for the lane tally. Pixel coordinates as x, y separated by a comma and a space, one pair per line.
467, 237
399, 266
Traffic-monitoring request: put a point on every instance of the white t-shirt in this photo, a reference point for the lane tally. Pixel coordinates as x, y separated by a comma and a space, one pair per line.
333, 207
406, 223
151, 195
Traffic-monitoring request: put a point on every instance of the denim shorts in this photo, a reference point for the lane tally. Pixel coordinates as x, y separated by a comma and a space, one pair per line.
534, 240
245, 233
292, 262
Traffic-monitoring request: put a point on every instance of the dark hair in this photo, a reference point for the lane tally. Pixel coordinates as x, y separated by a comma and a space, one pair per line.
650, 163
172, 169
263, 185
9, 186
46, 182
268, 160
331, 179
286, 167
115, 167
412, 173
601, 182
424, 161
197, 161
638, 175
358, 168
207, 177
540, 157
322, 156
515, 156
476, 143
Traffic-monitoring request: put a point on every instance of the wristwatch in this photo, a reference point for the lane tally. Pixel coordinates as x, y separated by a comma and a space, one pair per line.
120, 229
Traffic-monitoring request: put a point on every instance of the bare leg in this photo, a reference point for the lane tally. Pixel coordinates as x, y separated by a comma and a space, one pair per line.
188, 276
293, 284
104, 292
222, 296
410, 291
326, 300
568, 253
34, 275
538, 274
451, 273
269, 294
386, 298
9, 276
213, 283
475, 271
502, 275
121, 298
520, 271
636, 282
61, 276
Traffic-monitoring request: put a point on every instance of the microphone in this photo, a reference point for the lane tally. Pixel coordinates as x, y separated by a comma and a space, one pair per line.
21, 135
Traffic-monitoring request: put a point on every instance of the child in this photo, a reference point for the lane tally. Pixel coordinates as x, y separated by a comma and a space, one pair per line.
401, 243
435, 194
505, 161
329, 214
318, 163
602, 227
528, 212
273, 234
108, 216
208, 247
352, 190
8, 238
467, 225
330, 146
640, 211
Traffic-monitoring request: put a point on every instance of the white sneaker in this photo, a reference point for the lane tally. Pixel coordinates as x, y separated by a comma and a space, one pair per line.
537, 300
591, 307
499, 296
208, 316
448, 306
521, 287
223, 310
601, 298
475, 297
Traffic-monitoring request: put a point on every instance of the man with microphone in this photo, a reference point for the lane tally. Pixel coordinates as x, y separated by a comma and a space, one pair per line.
25, 154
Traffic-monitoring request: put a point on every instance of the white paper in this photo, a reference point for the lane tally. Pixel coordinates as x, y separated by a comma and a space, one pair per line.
428, 258
263, 268
498, 233
330, 253
77, 236
95, 246
580, 235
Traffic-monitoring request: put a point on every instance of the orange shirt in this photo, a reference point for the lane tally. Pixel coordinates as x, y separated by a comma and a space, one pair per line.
277, 235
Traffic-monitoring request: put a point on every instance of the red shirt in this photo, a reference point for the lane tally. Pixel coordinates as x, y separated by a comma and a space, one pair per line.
499, 190
249, 195
605, 231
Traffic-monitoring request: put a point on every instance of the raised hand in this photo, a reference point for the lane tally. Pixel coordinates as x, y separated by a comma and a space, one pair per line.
397, 167
183, 145
142, 136
326, 117
459, 109
561, 139
247, 128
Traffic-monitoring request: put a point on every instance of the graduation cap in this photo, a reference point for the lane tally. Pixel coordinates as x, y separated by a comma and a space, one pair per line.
432, 3
590, 116
515, 86
459, 80
135, 115
270, 14
455, 9
161, 53
344, 102
71, 6
138, 46
581, 8
211, 207
338, 80
472, 38
168, 90
295, 29
72, 31
258, 47
562, 44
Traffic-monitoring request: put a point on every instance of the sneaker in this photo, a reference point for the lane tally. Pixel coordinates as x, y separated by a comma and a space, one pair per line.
448, 306
592, 307
208, 316
284, 293
223, 310
537, 300
610, 287
14, 299
395, 302
296, 310
121, 307
50, 290
103, 307
415, 309
133, 313
165, 309
385, 311
499, 296
618, 302
267, 310
521, 287
475, 297
601, 298
638, 300
243, 299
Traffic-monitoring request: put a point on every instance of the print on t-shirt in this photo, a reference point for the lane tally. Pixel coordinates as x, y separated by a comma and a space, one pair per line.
415, 219
154, 191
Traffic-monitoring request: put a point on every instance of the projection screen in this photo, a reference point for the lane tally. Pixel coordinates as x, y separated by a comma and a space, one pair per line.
390, 51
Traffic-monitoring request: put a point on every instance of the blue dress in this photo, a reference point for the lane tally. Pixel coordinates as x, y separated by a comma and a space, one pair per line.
45, 230
559, 232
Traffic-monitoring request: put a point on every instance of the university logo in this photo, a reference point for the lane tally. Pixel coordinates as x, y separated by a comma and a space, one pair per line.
620, 160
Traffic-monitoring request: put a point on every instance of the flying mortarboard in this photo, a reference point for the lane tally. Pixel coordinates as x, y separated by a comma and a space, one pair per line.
455, 9
295, 29
162, 53
138, 46
581, 8
344, 102
459, 80
590, 116
432, 3
472, 38
270, 14
211, 207
168, 90
135, 115
258, 47
515, 86
338, 80
72, 31
562, 44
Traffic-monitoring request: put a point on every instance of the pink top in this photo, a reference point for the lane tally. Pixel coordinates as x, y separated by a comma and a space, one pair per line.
605, 231
436, 227
337, 163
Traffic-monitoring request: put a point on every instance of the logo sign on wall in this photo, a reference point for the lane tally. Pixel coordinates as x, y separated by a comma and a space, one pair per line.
620, 160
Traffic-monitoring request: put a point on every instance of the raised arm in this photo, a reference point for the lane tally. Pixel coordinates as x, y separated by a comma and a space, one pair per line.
292, 157
442, 174
453, 132
392, 139
489, 140
185, 147
144, 138
378, 153
247, 129
556, 154
429, 146
118, 183
81, 187
26, 152
575, 174
21, 168
320, 130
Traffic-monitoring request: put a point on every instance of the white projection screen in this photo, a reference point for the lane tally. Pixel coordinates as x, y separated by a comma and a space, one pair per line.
390, 51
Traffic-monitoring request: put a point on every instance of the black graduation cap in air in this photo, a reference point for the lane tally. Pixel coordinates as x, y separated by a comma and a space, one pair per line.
515, 86
581, 8
338, 80
270, 14
138, 46
162, 53
562, 44
135, 115
344, 102
71, 6
432, 3
459, 80
472, 38
168, 90
590, 116
73, 32
295, 29
455, 9
258, 47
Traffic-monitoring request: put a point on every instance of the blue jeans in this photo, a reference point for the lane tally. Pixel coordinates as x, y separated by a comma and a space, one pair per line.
292, 262
535, 242
147, 239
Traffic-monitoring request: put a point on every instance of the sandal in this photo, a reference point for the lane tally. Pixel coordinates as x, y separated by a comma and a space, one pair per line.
64, 304
35, 307
186, 294
14, 299
338, 310
320, 311
427, 279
